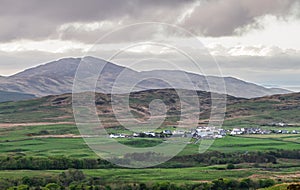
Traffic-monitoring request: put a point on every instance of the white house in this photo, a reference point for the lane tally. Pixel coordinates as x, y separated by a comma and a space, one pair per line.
236, 131
150, 134
117, 136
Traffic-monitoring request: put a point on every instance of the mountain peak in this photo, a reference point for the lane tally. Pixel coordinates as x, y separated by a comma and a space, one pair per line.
61, 67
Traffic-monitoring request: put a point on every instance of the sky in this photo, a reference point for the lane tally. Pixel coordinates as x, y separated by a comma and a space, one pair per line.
253, 40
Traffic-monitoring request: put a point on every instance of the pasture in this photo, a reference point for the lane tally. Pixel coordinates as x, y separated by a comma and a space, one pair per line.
63, 139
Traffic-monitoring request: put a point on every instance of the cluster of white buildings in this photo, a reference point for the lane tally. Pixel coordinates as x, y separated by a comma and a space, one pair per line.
241, 131
164, 133
209, 132
202, 132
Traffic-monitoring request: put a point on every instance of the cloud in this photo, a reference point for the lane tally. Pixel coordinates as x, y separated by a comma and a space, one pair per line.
51, 46
254, 51
34, 19
224, 18
14, 62
85, 21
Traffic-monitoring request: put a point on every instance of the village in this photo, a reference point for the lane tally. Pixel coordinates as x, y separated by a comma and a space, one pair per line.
202, 132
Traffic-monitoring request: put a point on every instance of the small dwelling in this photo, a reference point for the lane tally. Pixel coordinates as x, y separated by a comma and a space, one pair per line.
236, 131
117, 136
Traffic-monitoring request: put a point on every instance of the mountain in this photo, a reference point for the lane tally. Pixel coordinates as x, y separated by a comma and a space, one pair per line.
2, 78
52, 78
14, 96
57, 78
240, 111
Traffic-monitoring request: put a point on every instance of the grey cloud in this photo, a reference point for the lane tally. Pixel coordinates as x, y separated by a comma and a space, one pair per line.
223, 18
274, 64
114, 34
34, 19
279, 71
13, 62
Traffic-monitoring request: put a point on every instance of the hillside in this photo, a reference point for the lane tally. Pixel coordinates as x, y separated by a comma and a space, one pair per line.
57, 78
265, 110
14, 96
257, 111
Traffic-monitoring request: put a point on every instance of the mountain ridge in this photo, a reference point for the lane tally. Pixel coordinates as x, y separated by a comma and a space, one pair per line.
57, 77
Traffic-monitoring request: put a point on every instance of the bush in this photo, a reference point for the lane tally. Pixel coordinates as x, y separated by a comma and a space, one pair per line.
20, 187
293, 186
52, 186
266, 183
230, 167
247, 183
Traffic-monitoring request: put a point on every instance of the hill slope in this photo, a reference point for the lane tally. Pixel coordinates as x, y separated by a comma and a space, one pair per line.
257, 111
14, 96
57, 78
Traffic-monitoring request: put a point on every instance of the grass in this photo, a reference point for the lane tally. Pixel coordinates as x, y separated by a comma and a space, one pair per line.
256, 117
175, 175
248, 143
35, 110
21, 132
137, 142
15, 140
72, 147
181, 175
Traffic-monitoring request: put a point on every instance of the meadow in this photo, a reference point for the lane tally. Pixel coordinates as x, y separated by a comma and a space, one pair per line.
35, 141
52, 141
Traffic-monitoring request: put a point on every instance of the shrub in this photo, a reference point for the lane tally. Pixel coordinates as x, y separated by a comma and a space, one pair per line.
230, 167
266, 183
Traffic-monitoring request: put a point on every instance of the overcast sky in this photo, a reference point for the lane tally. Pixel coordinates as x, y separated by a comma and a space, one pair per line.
254, 40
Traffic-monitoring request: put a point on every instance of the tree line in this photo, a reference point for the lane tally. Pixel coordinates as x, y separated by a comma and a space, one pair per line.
207, 158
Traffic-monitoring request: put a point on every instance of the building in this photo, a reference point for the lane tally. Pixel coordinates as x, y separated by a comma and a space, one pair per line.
117, 136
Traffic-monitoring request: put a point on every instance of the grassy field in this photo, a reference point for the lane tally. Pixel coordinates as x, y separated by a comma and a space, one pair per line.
31, 141
19, 140
182, 175
175, 175
144, 175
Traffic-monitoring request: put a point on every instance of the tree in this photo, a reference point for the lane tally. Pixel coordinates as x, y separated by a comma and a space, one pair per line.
70, 176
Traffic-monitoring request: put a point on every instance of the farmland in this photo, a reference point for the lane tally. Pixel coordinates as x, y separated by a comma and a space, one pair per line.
39, 139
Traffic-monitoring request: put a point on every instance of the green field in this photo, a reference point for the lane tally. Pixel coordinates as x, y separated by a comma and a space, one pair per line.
174, 175
181, 175
18, 140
